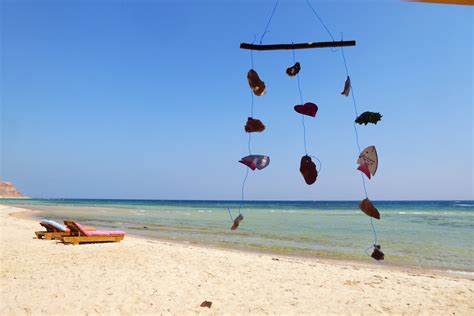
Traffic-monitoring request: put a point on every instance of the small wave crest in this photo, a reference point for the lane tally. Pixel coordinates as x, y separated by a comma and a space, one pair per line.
463, 273
138, 213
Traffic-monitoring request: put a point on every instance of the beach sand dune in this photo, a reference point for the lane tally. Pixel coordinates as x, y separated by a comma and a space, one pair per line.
139, 276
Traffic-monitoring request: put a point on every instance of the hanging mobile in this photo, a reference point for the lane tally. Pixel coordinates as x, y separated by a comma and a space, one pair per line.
367, 160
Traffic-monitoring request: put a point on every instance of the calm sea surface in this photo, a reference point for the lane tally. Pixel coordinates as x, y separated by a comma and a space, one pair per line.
436, 234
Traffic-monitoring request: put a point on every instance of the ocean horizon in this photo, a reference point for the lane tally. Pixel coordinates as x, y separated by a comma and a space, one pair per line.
431, 234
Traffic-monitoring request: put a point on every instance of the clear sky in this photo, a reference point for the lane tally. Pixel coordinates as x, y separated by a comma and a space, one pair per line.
148, 99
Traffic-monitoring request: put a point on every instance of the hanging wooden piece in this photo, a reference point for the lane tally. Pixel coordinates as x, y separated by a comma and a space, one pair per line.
368, 161
297, 46
254, 125
293, 70
347, 87
308, 170
255, 161
377, 254
368, 208
308, 108
368, 117
257, 85
237, 221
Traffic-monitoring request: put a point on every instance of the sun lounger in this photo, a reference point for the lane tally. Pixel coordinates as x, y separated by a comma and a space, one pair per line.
54, 230
80, 235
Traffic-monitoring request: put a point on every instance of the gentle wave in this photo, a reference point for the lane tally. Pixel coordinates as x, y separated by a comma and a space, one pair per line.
463, 273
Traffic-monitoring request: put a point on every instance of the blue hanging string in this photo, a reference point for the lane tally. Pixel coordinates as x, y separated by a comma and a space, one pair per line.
248, 144
357, 137
319, 161
320, 20
268, 23
322, 23
249, 147
373, 229
243, 188
230, 214
304, 135
354, 103
298, 77
251, 51
251, 104
301, 99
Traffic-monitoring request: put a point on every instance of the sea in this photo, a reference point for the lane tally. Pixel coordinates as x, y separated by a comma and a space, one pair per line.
426, 234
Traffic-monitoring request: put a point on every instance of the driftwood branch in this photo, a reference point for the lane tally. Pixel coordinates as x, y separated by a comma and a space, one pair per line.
297, 46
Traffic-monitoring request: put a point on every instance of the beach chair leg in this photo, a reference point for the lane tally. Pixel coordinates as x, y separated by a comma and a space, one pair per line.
70, 240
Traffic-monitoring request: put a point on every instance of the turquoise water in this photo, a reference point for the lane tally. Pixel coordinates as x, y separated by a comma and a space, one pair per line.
436, 234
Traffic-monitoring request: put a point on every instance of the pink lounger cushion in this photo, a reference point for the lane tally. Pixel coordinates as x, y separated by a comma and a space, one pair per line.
106, 233
99, 232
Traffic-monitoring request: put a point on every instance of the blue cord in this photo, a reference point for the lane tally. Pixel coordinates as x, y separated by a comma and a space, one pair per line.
320, 164
304, 135
269, 20
301, 99
251, 106
373, 229
357, 137
243, 188
320, 20
230, 215
249, 147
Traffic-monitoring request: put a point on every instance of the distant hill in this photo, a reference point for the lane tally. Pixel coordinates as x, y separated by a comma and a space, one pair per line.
8, 190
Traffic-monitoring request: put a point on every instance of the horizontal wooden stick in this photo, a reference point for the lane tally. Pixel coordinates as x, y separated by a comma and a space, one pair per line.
297, 46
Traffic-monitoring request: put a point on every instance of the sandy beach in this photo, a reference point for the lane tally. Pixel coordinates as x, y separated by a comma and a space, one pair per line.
139, 276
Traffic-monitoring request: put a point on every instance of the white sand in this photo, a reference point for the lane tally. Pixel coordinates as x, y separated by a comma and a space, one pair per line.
139, 276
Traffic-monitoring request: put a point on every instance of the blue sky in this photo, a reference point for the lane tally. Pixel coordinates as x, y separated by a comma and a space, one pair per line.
147, 99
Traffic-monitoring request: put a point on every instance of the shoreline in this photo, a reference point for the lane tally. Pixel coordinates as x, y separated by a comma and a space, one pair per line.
27, 214
30, 213
143, 276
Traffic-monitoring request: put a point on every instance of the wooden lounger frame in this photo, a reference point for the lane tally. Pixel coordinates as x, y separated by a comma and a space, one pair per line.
76, 240
54, 233
51, 235
76, 236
